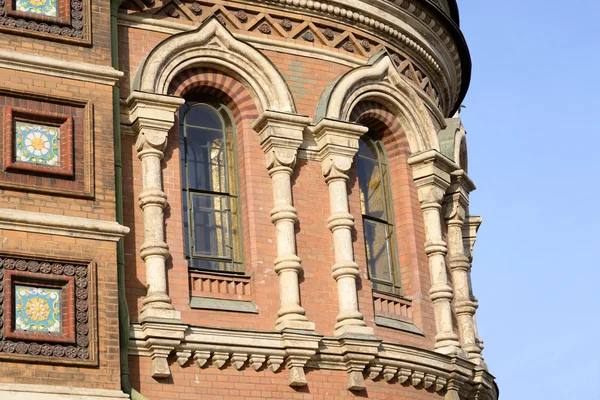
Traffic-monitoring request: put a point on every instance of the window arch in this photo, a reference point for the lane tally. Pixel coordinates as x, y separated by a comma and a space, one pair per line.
377, 216
209, 187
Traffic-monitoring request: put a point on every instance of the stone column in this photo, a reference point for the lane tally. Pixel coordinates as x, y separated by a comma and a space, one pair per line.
280, 137
456, 207
431, 172
469, 234
338, 143
152, 116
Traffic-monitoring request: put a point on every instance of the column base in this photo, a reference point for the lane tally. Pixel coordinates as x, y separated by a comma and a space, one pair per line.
159, 313
295, 325
354, 330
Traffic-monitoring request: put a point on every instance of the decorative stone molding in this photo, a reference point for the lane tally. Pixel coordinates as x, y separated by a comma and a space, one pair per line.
431, 172
456, 207
39, 64
396, 364
152, 116
280, 136
61, 225
17, 391
338, 143
380, 80
212, 45
436, 44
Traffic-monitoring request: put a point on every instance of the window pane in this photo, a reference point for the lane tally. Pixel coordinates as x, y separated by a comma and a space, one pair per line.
211, 226
203, 116
371, 189
206, 164
378, 255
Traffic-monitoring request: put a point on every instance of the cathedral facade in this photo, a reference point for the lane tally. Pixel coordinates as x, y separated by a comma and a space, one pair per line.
210, 199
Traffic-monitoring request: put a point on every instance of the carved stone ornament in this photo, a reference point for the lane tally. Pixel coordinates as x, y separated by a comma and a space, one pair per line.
349, 47
286, 24
365, 44
173, 12
221, 19
264, 28
195, 8
308, 36
241, 15
328, 33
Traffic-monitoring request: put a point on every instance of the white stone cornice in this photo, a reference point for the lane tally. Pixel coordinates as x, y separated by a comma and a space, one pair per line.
43, 65
17, 391
62, 225
234, 348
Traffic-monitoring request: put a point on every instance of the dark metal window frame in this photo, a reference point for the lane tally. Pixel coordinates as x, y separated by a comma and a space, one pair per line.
234, 264
394, 287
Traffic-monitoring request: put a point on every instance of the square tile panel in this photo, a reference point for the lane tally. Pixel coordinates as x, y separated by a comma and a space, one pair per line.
47, 8
36, 143
37, 309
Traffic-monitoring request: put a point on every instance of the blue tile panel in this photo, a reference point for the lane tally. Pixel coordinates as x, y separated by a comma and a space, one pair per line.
42, 7
37, 144
37, 309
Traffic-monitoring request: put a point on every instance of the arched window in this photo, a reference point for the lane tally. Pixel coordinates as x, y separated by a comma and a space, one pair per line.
210, 193
377, 213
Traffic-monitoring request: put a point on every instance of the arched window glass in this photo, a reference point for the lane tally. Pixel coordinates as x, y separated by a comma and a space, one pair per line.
209, 185
377, 213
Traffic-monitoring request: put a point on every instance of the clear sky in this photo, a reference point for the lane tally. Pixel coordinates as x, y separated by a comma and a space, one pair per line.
531, 118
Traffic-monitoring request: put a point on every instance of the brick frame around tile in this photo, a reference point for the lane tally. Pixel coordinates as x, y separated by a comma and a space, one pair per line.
79, 345
76, 180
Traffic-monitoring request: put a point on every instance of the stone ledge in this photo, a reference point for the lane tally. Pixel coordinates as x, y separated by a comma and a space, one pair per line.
42, 392
207, 303
397, 324
62, 225
39, 64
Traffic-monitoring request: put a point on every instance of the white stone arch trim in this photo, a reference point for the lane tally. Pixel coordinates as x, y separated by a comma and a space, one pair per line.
380, 81
213, 46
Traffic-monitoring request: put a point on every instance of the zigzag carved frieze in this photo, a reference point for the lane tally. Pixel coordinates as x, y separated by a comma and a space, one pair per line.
279, 25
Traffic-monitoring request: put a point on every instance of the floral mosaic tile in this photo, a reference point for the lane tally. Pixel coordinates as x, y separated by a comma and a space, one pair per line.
38, 144
37, 309
47, 8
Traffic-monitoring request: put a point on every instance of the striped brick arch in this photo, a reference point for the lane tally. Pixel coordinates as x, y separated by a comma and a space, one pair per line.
384, 125
216, 84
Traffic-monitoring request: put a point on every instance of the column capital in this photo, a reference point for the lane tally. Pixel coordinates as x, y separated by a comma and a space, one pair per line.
152, 116
280, 136
337, 143
432, 175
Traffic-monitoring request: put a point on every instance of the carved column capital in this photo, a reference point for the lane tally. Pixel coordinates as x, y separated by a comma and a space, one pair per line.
337, 143
280, 136
151, 117
431, 173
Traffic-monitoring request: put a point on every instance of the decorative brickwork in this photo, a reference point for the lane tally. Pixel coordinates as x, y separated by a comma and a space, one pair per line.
63, 20
47, 144
48, 311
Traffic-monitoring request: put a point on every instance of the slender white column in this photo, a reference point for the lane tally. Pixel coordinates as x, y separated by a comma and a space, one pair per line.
152, 117
431, 173
280, 138
469, 234
456, 208
338, 143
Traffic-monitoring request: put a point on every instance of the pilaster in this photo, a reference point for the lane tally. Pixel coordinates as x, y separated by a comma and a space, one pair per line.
431, 172
337, 142
280, 137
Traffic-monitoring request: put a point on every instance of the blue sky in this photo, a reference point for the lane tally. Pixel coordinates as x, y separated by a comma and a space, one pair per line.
531, 117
